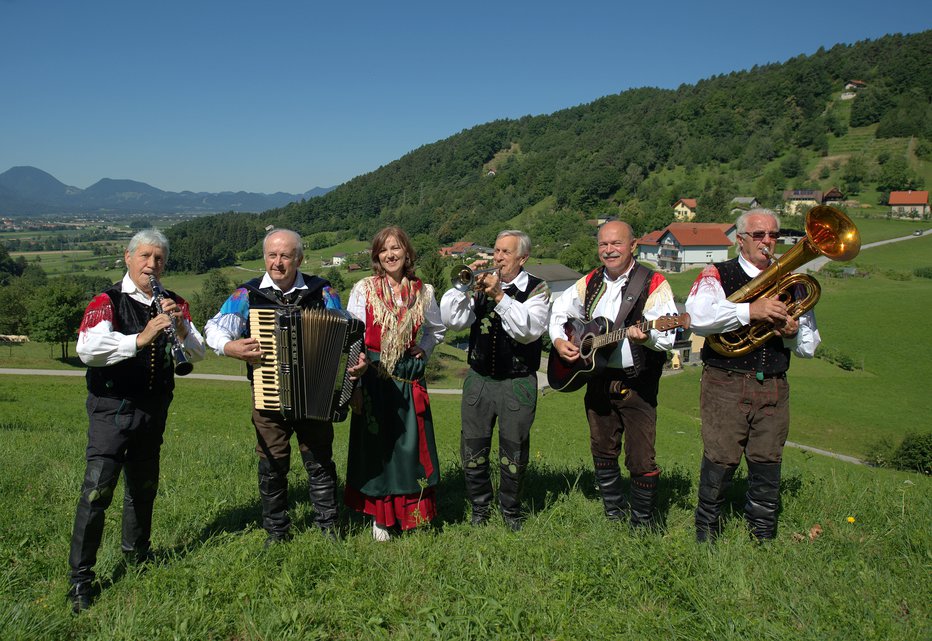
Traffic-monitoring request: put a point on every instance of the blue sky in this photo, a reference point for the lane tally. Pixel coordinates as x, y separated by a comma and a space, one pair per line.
285, 96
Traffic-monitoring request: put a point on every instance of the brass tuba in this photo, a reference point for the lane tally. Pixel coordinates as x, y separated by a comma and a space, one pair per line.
830, 233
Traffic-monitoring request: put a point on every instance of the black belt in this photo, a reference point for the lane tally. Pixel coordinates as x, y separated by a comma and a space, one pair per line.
759, 376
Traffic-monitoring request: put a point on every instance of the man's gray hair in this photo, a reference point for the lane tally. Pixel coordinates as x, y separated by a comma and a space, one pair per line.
148, 237
298, 243
742, 223
524, 241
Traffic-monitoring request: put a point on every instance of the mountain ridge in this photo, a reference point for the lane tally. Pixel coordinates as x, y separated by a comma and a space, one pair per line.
30, 192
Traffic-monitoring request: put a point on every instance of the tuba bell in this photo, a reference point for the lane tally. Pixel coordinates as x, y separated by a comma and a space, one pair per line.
829, 233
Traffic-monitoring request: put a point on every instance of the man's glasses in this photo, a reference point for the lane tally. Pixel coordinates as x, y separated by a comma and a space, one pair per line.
760, 235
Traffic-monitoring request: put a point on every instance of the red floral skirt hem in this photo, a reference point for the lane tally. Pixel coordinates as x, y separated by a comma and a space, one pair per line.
406, 511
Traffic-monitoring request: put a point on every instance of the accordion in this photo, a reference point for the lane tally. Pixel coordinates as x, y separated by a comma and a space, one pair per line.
307, 354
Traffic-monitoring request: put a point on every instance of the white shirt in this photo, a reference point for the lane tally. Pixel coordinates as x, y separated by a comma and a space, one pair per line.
525, 322
432, 329
99, 345
570, 304
710, 311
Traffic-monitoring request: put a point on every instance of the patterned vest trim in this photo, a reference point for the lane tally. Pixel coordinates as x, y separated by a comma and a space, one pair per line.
772, 358
151, 371
646, 360
492, 352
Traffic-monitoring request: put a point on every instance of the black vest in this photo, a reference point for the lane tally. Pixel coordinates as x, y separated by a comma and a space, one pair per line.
771, 358
493, 352
151, 371
310, 298
648, 362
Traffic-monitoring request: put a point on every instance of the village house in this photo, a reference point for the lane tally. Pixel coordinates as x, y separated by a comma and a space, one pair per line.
459, 249
682, 246
743, 203
684, 209
559, 277
851, 89
795, 199
909, 204
833, 197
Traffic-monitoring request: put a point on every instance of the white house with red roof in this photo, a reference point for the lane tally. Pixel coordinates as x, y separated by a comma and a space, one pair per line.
909, 204
684, 209
682, 246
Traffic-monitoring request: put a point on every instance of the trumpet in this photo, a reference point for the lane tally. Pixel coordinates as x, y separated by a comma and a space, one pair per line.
463, 278
183, 366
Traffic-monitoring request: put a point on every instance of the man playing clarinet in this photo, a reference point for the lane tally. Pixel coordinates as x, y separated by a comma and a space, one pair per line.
124, 341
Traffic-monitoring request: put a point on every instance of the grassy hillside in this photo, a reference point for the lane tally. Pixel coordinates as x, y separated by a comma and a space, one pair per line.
568, 575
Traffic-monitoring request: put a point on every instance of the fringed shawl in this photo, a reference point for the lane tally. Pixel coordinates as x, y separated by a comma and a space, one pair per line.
399, 321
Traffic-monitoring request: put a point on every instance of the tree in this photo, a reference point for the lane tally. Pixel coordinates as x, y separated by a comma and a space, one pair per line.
207, 302
55, 312
336, 279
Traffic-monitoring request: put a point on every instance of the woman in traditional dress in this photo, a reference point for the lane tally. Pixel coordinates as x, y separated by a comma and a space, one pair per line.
392, 472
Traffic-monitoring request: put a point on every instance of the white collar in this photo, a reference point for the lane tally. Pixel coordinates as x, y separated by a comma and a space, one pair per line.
268, 282
749, 268
520, 281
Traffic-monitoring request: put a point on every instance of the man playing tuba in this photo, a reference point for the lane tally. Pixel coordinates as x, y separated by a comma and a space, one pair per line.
744, 399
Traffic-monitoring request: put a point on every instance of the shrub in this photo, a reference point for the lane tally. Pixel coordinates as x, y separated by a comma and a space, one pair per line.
923, 272
914, 453
880, 453
837, 357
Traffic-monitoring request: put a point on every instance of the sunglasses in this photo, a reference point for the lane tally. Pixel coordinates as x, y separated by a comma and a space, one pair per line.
760, 235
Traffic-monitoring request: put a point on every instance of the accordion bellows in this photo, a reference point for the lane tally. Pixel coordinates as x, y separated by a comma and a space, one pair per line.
307, 353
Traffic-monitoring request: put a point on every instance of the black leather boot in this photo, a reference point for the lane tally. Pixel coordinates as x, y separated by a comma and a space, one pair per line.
608, 477
82, 595
714, 481
322, 487
513, 461
476, 470
141, 484
643, 499
100, 479
273, 490
763, 499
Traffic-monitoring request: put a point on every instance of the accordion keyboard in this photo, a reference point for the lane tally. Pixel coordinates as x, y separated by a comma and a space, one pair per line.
265, 377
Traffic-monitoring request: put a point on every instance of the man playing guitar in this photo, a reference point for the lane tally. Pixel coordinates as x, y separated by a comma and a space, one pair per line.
622, 399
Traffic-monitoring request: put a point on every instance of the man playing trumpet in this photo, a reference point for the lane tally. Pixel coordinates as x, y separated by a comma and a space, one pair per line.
744, 400
507, 315
123, 341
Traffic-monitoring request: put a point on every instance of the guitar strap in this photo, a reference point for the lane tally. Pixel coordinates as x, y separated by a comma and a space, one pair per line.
636, 281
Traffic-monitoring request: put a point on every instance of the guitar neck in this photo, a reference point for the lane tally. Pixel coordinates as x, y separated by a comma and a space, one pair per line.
619, 335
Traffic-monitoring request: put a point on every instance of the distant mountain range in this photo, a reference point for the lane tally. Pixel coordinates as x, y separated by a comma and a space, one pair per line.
27, 191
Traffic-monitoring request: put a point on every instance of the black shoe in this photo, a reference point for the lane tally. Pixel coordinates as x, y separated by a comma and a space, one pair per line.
135, 558
276, 539
480, 515
514, 523
82, 595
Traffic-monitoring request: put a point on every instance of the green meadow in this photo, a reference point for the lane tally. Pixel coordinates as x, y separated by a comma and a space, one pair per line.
852, 558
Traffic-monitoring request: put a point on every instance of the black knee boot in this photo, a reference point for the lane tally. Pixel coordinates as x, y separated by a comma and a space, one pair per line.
511, 473
714, 481
273, 490
475, 456
100, 479
763, 499
643, 499
322, 487
608, 477
141, 486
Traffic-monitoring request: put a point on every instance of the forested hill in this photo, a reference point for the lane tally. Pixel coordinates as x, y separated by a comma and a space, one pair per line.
633, 154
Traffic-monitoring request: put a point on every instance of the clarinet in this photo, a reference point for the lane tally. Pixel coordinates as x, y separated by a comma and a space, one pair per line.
183, 366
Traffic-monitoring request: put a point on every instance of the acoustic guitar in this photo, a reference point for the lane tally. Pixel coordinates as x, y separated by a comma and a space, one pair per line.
596, 340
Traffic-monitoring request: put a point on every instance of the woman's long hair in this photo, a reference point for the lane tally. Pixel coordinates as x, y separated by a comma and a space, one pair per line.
378, 243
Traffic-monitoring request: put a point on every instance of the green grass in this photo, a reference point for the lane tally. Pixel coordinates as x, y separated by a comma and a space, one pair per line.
568, 575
